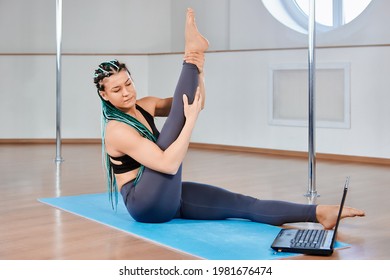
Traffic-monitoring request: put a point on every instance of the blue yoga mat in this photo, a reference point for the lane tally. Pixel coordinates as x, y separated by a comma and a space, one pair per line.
213, 240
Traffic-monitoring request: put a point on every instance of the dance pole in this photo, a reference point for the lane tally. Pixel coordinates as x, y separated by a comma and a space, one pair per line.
311, 191
58, 76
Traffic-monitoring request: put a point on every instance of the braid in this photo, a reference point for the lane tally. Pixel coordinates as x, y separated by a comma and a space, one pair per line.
105, 70
110, 112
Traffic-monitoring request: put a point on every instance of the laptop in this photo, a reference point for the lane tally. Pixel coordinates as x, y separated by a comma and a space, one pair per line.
309, 241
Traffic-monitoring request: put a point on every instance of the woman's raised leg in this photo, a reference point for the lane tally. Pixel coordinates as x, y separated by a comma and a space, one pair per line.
156, 197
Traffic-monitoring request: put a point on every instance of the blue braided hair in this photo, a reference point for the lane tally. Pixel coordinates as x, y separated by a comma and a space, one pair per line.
110, 112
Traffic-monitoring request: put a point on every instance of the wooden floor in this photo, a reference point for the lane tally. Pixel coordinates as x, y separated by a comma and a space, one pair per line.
31, 230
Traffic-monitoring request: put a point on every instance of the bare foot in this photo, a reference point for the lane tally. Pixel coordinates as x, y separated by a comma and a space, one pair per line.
194, 41
327, 214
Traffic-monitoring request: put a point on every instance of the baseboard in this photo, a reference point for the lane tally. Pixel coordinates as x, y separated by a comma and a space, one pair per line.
51, 141
298, 154
204, 146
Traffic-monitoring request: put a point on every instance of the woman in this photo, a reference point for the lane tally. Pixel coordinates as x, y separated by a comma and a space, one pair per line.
144, 165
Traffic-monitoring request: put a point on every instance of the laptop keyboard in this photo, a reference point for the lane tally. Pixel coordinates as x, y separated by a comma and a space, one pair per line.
308, 238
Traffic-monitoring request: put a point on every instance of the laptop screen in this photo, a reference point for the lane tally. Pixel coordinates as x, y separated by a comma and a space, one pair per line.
346, 185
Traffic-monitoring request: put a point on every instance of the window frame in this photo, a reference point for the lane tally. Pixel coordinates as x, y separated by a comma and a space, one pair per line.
302, 19
293, 11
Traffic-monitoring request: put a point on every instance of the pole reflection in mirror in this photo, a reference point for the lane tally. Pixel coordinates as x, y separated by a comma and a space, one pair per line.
311, 191
58, 178
58, 77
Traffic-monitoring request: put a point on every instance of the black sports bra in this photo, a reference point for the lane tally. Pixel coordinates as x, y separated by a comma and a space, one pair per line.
127, 162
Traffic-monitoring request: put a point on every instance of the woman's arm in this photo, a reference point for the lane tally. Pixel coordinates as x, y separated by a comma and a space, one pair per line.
157, 107
202, 88
121, 138
163, 107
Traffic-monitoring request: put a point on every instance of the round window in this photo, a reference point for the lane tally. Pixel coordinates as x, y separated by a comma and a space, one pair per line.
329, 14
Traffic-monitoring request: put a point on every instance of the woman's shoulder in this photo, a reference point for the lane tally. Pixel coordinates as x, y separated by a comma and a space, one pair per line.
116, 127
117, 132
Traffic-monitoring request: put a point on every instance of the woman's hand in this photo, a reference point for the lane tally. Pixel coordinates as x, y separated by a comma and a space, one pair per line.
191, 111
195, 58
198, 59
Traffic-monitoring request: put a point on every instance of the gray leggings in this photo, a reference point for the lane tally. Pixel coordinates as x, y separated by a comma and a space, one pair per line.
159, 197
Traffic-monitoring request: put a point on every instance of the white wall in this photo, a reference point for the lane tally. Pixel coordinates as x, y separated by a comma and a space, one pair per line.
237, 82
93, 31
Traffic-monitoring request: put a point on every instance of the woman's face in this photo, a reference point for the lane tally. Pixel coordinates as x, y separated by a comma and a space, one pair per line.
119, 90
